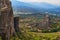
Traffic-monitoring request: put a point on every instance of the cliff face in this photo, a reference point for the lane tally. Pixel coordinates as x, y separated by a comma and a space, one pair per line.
6, 18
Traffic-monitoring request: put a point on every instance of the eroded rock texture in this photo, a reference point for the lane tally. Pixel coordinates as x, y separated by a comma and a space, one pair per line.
16, 24
6, 19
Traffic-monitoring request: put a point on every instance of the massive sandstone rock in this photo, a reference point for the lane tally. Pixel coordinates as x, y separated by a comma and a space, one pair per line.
6, 19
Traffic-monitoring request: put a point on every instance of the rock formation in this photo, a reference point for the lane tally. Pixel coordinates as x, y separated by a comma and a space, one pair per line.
16, 24
6, 20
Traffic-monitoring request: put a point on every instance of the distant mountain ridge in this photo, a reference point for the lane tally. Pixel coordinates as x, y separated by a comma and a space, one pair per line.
35, 7
22, 7
44, 5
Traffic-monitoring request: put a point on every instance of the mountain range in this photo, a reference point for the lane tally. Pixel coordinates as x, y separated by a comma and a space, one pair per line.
35, 7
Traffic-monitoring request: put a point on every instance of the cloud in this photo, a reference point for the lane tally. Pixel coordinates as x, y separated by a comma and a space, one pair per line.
29, 0
57, 2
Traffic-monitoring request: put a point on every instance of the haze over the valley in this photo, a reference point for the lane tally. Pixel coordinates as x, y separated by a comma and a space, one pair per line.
36, 6
55, 2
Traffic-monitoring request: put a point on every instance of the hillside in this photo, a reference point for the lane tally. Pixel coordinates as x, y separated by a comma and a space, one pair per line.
35, 7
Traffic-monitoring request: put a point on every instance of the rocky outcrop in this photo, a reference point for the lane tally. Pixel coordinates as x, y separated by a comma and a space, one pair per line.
16, 24
6, 19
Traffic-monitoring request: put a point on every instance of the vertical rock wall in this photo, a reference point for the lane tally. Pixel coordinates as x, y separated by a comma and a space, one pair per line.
16, 24
6, 19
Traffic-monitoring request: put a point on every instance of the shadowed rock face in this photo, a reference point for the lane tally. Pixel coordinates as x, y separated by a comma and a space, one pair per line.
16, 24
6, 19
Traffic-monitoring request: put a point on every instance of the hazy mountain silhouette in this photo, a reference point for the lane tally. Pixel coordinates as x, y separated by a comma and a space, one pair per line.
44, 5
35, 7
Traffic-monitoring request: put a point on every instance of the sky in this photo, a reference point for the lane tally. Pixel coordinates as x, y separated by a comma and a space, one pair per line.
55, 2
